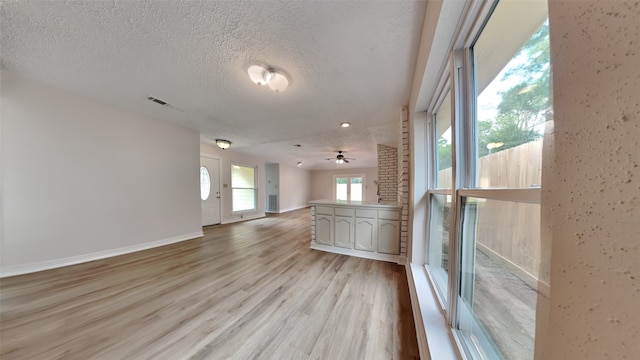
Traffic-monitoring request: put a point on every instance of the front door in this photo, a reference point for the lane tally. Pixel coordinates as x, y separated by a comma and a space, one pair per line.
210, 190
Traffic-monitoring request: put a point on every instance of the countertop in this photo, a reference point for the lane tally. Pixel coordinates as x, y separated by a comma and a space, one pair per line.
386, 205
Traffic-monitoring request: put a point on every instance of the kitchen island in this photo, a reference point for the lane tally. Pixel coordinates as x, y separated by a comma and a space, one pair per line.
368, 230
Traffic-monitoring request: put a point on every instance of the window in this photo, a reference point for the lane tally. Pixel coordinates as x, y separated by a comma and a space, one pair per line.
441, 198
513, 105
349, 187
243, 188
496, 309
485, 130
205, 183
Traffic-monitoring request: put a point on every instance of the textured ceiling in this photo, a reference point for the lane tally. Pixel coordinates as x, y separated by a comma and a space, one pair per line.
347, 61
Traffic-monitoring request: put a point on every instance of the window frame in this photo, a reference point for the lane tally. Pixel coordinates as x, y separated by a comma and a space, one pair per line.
349, 177
254, 188
458, 77
445, 89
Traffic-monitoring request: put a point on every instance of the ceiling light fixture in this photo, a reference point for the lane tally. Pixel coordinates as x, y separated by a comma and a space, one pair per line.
223, 144
262, 75
345, 124
299, 163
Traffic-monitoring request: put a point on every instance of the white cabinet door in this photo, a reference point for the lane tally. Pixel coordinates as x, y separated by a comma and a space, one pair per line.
324, 229
366, 234
344, 232
389, 236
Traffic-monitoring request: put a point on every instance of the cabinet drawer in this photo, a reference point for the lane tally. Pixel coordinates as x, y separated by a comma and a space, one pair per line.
389, 214
324, 210
361, 213
344, 212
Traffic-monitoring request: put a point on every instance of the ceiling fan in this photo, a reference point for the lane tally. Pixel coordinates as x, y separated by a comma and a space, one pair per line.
340, 159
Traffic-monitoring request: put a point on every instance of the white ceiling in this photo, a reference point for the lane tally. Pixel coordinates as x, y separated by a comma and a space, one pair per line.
347, 61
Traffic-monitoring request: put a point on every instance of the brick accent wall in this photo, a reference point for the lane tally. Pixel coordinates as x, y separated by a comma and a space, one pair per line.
388, 173
403, 182
393, 178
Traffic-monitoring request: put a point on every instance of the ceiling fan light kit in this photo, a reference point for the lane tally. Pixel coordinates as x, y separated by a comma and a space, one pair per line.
263, 75
340, 159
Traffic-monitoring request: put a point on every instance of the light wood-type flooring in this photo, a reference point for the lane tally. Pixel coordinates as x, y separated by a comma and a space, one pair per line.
251, 290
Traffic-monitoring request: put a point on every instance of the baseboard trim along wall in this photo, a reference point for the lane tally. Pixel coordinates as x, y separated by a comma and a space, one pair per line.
357, 253
244, 218
294, 208
78, 259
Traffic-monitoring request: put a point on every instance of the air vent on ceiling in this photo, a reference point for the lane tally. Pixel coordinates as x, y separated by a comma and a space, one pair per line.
159, 101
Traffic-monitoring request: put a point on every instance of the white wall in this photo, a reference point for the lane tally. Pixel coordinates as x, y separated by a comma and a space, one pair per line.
272, 175
591, 183
322, 182
295, 188
227, 158
82, 180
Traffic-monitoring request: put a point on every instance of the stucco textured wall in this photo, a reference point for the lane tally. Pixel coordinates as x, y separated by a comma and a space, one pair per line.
591, 183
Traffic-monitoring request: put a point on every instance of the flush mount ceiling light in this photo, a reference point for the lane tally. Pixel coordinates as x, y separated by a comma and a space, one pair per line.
345, 124
299, 163
262, 75
223, 144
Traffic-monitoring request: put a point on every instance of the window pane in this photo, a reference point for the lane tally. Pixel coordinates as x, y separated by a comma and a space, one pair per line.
438, 249
242, 177
443, 144
205, 183
499, 270
514, 102
243, 199
356, 189
341, 189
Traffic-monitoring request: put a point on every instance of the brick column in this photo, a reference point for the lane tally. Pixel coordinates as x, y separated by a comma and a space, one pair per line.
388, 173
403, 182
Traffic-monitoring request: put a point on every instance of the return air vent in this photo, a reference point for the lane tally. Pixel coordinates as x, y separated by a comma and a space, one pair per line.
272, 204
159, 101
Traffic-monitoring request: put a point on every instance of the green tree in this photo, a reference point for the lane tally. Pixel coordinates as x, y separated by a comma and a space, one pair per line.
525, 105
444, 154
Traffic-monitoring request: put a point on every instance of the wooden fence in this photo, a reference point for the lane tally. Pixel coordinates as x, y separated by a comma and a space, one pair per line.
509, 232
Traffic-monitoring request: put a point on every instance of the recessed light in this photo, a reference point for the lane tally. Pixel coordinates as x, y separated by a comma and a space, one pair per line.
345, 124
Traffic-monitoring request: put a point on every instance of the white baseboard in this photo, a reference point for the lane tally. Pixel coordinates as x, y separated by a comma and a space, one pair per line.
245, 218
357, 253
294, 208
22, 269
